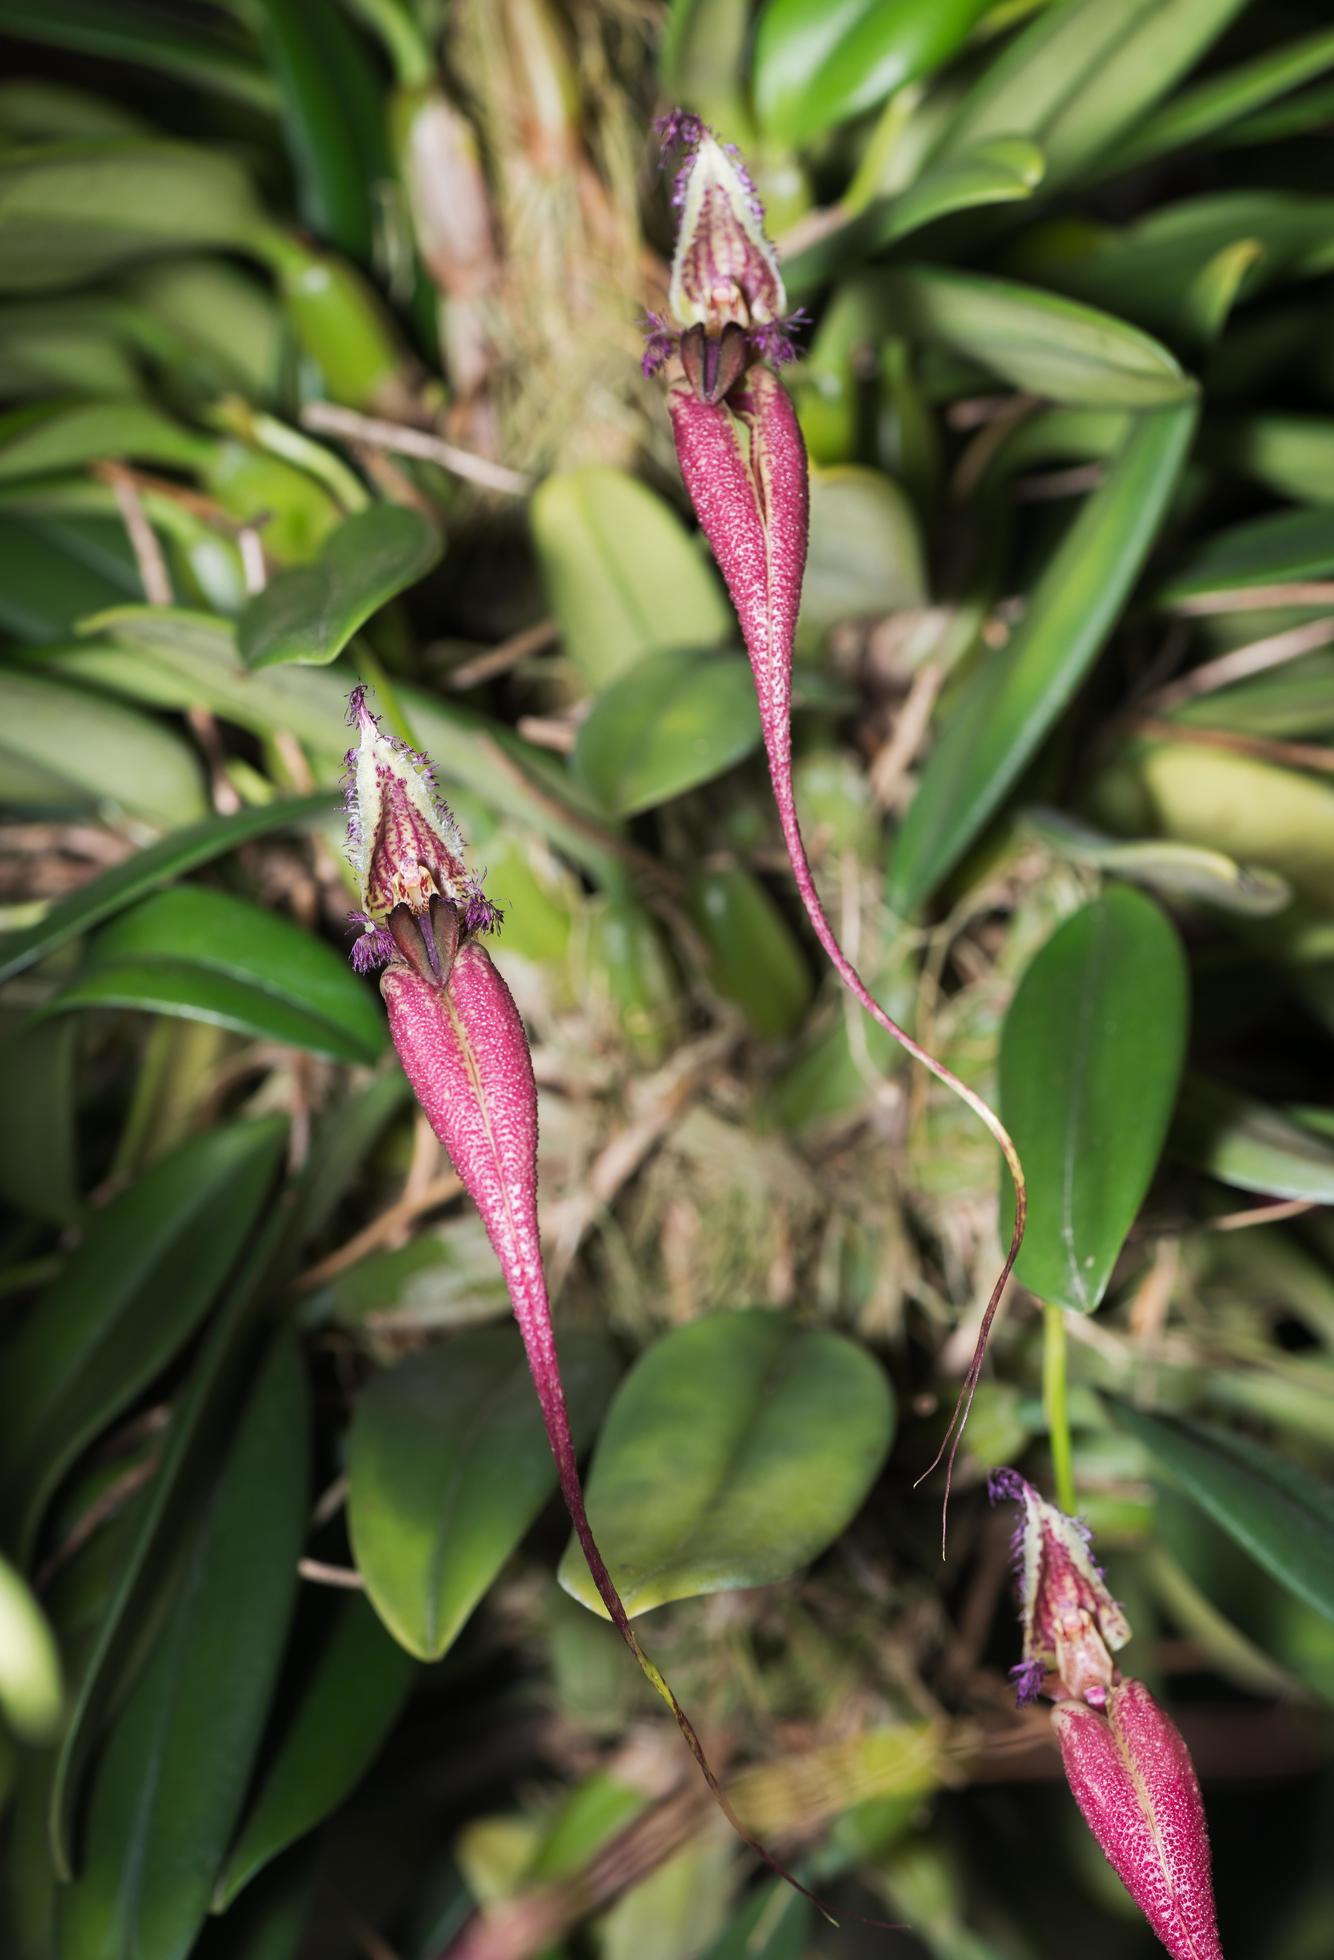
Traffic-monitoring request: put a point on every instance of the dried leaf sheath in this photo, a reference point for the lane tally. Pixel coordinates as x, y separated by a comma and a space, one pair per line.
746, 474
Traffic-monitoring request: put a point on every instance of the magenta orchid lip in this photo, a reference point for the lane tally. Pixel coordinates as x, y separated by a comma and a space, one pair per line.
745, 470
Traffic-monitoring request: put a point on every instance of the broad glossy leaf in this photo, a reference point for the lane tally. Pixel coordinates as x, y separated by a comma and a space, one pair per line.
622, 574
31, 1687
737, 1450
820, 62
865, 555
170, 1782
351, 1689
126, 1300
1252, 1145
210, 956
448, 1466
310, 613
1272, 550
754, 959
1283, 1516
100, 749
1090, 1060
183, 851
1182, 870
1003, 712
50, 436
1038, 341
73, 211
673, 720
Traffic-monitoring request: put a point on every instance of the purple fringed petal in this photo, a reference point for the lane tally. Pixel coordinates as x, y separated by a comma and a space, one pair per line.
1028, 1677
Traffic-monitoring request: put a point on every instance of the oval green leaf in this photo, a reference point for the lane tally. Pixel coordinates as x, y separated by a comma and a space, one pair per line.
168, 1788
673, 721
209, 956
820, 62
146, 1272
352, 1686
448, 1466
185, 850
1090, 1060
1003, 712
736, 1451
1283, 1516
623, 576
754, 957
310, 613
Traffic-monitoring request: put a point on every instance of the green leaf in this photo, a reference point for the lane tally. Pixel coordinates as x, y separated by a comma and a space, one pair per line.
865, 555
1252, 1145
100, 749
50, 436
1181, 870
448, 1466
1037, 341
1005, 709
623, 576
209, 956
54, 572
202, 52
1272, 550
818, 63
1215, 104
1290, 454
737, 1449
39, 1164
310, 613
351, 1689
149, 1266
702, 58
31, 1687
168, 1788
674, 720
1284, 1517
70, 212
1090, 1059
185, 850
754, 958
1255, 811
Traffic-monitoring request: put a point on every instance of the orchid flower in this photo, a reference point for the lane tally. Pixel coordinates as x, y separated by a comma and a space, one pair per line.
1126, 1762
461, 1041
744, 464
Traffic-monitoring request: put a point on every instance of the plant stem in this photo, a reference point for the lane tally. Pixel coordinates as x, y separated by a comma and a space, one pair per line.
1054, 1406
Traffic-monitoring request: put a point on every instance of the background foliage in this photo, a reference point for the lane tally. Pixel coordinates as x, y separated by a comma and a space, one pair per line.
319, 334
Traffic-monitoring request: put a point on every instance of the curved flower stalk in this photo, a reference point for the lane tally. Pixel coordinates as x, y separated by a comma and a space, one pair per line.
744, 464
1126, 1762
463, 1048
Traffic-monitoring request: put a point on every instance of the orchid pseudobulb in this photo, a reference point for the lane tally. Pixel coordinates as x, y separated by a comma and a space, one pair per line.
461, 1041
1126, 1762
744, 464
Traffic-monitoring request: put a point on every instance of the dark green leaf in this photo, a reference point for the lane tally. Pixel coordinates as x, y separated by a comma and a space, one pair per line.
170, 1782
209, 956
448, 1465
820, 62
146, 1272
1091, 1055
623, 576
1216, 103
310, 613
754, 959
1271, 550
184, 851
353, 1684
1252, 1145
999, 719
737, 1449
50, 436
38, 1143
99, 749
674, 720
201, 52
1284, 1517
54, 572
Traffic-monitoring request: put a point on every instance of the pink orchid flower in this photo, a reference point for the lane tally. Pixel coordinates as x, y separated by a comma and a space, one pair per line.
744, 464
1127, 1764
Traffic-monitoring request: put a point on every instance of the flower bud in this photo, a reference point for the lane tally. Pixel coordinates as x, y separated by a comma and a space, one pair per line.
1072, 1625
1131, 1774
